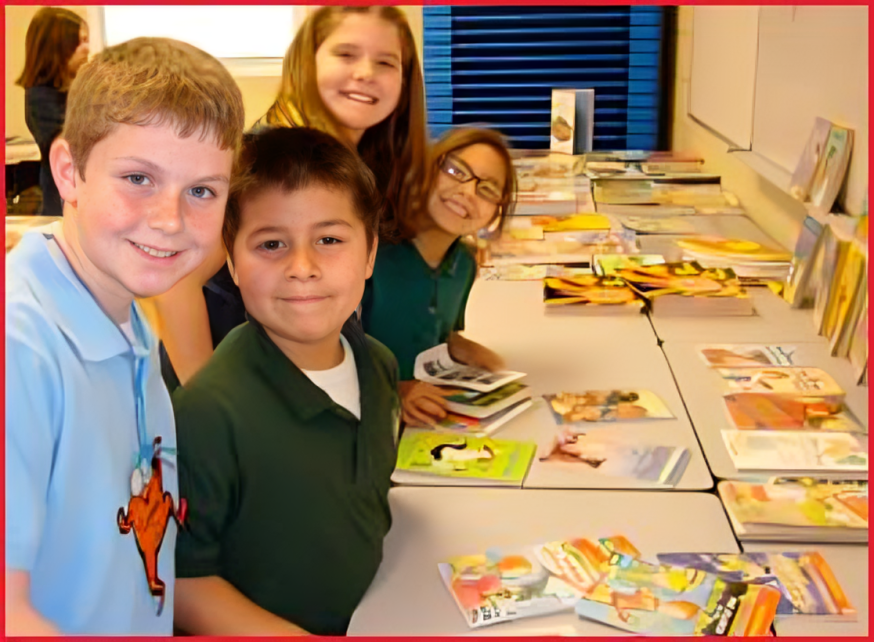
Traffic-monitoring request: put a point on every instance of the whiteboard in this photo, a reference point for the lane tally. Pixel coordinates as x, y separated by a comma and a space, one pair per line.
812, 61
723, 79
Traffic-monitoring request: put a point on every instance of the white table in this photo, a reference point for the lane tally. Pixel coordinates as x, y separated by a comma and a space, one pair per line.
699, 386
429, 525
849, 562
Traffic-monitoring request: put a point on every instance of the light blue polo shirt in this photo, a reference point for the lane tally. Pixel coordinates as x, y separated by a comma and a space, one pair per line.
71, 445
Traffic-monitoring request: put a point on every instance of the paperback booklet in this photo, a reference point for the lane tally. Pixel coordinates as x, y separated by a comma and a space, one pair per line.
758, 411
797, 452
650, 599
799, 186
658, 465
733, 249
599, 294
443, 458
606, 405
436, 366
481, 426
658, 224
797, 510
609, 264
486, 404
787, 381
828, 177
805, 580
746, 355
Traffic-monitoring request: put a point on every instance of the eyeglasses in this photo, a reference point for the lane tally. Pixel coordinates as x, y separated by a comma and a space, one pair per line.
486, 188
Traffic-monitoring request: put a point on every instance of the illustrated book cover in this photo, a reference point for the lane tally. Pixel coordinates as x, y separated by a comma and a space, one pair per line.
797, 452
746, 355
791, 380
600, 294
480, 426
606, 405
758, 411
485, 404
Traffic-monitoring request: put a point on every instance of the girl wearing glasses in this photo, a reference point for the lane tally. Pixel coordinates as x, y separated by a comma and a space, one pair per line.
417, 296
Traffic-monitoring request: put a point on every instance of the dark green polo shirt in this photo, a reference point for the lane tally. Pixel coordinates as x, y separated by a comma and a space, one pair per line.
287, 492
410, 306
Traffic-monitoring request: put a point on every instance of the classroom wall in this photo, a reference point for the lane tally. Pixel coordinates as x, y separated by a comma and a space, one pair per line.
771, 208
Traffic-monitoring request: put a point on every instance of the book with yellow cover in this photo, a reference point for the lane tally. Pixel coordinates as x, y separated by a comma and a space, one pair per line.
734, 249
600, 294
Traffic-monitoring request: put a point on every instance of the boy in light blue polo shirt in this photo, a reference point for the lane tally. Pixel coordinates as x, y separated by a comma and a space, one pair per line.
143, 166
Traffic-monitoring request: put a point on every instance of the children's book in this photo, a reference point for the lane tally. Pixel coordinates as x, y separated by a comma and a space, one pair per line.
847, 290
578, 223
798, 291
521, 272
792, 381
609, 264
606, 405
598, 294
580, 562
688, 289
437, 366
746, 356
650, 599
799, 186
658, 465
670, 167
645, 211
732, 249
858, 349
797, 452
828, 177
797, 510
486, 404
554, 251
757, 411
805, 580
572, 120
431, 457
658, 224
477, 426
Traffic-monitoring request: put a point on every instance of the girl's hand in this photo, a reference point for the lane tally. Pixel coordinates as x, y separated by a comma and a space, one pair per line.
473, 354
421, 403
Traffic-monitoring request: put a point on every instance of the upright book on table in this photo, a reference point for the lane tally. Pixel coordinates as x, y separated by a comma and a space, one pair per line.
437, 458
797, 290
797, 510
437, 366
831, 168
794, 452
799, 185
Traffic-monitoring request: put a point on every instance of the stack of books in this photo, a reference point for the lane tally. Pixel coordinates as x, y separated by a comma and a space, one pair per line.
748, 259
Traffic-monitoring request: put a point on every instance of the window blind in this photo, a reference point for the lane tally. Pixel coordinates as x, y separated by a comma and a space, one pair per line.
497, 66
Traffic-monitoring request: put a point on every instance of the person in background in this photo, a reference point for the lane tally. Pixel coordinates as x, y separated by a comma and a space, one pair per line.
287, 435
92, 500
354, 73
417, 296
56, 46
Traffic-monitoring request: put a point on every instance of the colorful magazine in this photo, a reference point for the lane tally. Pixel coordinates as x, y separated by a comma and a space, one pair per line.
806, 452
596, 293
805, 580
606, 405
797, 510
658, 465
757, 411
746, 356
646, 598
481, 426
788, 381
437, 366
443, 458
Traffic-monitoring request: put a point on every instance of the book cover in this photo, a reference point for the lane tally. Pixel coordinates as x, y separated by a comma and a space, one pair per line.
599, 293
428, 453
606, 405
791, 380
797, 290
481, 426
485, 404
582, 563
754, 450
828, 177
799, 185
658, 224
757, 411
858, 348
658, 465
806, 582
562, 123
847, 289
733, 249
645, 598
746, 356
578, 223
437, 366
609, 264
766, 511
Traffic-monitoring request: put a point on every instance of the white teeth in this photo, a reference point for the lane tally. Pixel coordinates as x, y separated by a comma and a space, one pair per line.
455, 207
361, 98
154, 252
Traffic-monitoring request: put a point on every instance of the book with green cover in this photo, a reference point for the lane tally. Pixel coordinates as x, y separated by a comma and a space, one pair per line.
485, 404
429, 457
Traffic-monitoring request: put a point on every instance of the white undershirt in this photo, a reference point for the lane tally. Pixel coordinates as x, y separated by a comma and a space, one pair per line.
341, 382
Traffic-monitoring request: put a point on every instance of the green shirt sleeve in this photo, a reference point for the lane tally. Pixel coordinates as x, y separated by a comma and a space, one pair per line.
209, 480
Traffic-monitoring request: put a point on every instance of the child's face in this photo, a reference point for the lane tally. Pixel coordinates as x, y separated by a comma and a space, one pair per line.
301, 259
149, 210
358, 72
459, 208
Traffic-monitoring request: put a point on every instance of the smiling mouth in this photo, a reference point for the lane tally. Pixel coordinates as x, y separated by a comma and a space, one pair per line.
455, 208
158, 254
304, 299
359, 98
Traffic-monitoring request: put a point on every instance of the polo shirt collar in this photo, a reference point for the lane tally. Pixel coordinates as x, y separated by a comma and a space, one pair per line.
450, 262
70, 305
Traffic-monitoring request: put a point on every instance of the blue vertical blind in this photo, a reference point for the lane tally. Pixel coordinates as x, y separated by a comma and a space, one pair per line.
497, 66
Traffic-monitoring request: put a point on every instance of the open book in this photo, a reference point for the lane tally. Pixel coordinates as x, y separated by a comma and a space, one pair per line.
436, 366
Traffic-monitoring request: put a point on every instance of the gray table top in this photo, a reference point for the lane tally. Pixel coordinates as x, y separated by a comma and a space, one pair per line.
408, 597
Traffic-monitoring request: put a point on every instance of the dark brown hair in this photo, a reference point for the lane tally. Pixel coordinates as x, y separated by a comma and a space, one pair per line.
291, 159
52, 37
393, 149
454, 140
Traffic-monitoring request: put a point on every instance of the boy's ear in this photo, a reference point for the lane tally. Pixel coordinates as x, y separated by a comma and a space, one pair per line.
371, 258
232, 271
64, 171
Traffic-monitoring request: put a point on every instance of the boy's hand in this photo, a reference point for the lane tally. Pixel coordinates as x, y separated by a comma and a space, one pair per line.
473, 354
421, 403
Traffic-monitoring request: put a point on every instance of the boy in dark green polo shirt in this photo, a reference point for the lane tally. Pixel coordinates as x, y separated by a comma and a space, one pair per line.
287, 436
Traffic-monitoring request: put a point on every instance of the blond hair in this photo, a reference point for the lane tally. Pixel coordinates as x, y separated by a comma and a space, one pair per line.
152, 81
394, 149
